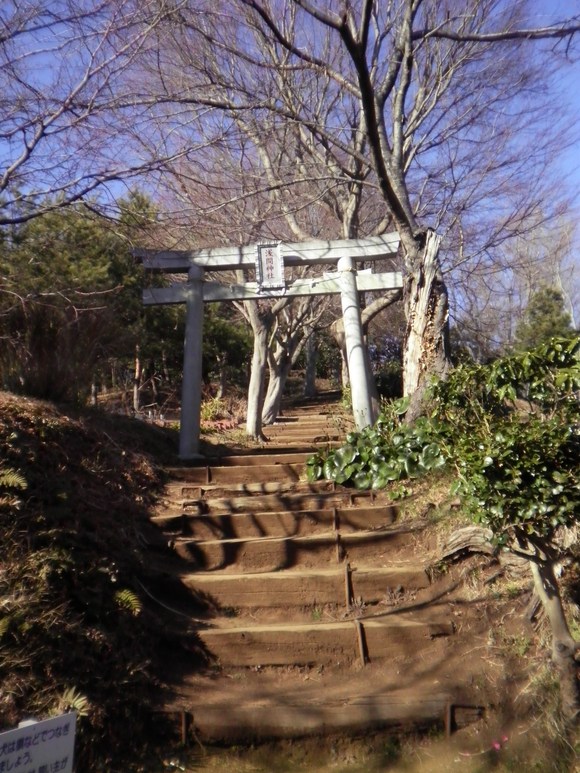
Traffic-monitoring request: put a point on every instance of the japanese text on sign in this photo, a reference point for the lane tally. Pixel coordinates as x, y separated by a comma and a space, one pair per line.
270, 266
39, 747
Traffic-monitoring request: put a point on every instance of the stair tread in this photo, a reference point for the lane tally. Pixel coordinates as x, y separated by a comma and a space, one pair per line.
338, 571
391, 621
329, 536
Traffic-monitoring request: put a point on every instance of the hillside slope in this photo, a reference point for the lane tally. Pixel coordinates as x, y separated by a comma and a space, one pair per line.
84, 617
76, 630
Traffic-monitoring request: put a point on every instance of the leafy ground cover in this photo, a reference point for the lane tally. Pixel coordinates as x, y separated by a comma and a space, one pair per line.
510, 431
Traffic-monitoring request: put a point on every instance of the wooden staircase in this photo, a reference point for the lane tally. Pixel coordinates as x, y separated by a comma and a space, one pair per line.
315, 612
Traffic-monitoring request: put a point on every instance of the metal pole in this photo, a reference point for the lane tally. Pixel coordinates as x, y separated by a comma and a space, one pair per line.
361, 401
192, 356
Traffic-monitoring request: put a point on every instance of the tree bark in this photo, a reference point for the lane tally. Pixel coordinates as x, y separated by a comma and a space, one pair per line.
276, 383
426, 349
564, 647
137, 380
280, 364
257, 383
261, 322
310, 373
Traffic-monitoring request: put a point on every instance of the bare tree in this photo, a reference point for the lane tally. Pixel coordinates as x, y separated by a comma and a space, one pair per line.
295, 325
489, 307
73, 119
441, 113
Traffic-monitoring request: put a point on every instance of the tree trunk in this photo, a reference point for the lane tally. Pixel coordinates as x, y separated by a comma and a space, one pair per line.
281, 360
426, 349
137, 380
257, 379
164, 368
564, 647
276, 384
280, 363
153, 378
113, 364
223, 377
310, 373
94, 391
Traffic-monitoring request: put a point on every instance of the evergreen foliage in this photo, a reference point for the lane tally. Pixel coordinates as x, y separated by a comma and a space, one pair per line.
71, 302
510, 430
226, 344
388, 451
544, 318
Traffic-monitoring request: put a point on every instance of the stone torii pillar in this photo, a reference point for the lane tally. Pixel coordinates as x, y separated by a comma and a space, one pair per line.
192, 359
362, 407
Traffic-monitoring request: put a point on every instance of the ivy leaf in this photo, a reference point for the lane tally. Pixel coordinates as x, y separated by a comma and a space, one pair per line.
431, 457
362, 480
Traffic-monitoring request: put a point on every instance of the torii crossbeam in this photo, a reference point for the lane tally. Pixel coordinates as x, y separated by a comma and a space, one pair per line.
269, 262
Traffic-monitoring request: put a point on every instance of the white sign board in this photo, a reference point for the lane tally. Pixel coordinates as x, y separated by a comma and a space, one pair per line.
270, 266
39, 747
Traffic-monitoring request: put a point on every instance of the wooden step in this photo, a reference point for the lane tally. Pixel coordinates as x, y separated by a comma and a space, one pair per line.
343, 642
240, 460
281, 523
304, 587
243, 716
270, 554
266, 502
280, 471
304, 435
302, 428
316, 421
180, 490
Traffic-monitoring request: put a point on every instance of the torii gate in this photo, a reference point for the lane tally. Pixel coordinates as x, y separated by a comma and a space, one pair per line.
269, 261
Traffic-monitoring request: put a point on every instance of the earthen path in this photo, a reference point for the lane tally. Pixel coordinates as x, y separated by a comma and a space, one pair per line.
313, 605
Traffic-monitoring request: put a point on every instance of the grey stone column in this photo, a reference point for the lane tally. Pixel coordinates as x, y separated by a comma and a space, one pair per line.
361, 401
192, 357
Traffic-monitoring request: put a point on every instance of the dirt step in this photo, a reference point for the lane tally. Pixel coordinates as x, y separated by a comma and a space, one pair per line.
266, 502
240, 714
178, 490
305, 587
270, 554
321, 643
230, 474
240, 460
282, 523
304, 435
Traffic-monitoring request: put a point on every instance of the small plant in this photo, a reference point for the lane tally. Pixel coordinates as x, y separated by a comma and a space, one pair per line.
213, 409
72, 700
400, 492
388, 451
346, 399
128, 600
11, 479
517, 645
